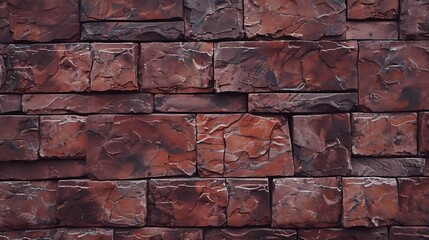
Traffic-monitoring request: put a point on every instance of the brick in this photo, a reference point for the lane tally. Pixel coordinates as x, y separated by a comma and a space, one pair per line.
321, 144
392, 76
388, 167
126, 147
248, 202
48, 67
132, 31
200, 103
114, 66
409, 233
4, 22
187, 202
249, 233
285, 65
302, 102
343, 233
384, 134
369, 202
159, 233
63, 136
423, 132
10, 103
44, 22
25, 205
372, 30
413, 201
375, 9
413, 19
243, 145
176, 67
28, 234
101, 203
87, 103
306, 202
20, 139
212, 19
130, 10
84, 234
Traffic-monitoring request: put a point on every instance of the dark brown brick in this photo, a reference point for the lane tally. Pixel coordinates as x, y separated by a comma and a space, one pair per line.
409, 233
249, 234
414, 19
423, 133
28, 234
388, 167
4, 22
413, 201
374, 9
10, 103
343, 233
372, 30
159, 233
83, 234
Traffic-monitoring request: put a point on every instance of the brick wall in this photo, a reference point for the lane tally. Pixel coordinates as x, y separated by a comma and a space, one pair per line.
214, 119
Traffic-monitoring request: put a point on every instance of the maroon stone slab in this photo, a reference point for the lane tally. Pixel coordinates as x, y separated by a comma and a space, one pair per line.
388, 167
374, 9
83, 234
249, 234
10, 103
409, 233
414, 19
344, 233
413, 201
159, 233
372, 30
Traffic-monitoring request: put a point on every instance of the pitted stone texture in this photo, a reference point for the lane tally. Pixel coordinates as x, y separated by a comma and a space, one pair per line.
187, 202
87, 103
369, 202
372, 30
388, 167
131, 10
409, 233
101, 203
414, 19
84, 234
249, 234
176, 67
249, 202
243, 145
48, 20
424, 132
343, 233
4, 22
132, 31
114, 66
306, 202
156, 233
126, 147
63, 136
302, 102
384, 134
213, 19
285, 65
19, 138
413, 201
48, 67
10, 103
306, 19
47, 234
26, 205
322, 144
374, 9
393, 76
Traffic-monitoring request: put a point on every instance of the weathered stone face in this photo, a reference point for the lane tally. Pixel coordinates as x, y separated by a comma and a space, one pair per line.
375, 9
372, 30
84, 234
423, 132
408, 233
413, 20
249, 233
10, 103
344, 233
388, 167
159, 233
28, 234
413, 201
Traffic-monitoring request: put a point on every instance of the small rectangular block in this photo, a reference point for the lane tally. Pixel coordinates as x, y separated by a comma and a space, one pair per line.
372, 30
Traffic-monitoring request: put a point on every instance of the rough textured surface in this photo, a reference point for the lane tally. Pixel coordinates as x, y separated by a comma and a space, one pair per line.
4, 22
285, 65
413, 201
409, 233
10, 103
377, 9
388, 167
159, 233
303, 202
249, 233
414, 18
423, 132
372, 30
240, 145
28, 234
201, 103
84, 234
343, 233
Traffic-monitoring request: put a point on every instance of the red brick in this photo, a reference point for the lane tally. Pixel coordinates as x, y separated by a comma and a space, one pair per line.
249, 234
414, 19
374, 9
423, 133
343, 233
388, 167
413, 201
10, 103
159, 233
84, 234
372, 30
28, 234
409, 233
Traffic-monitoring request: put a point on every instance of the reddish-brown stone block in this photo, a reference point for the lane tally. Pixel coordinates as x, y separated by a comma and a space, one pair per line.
63, 136
343, 233
84, 234
114, 66
125, 147
369, 202
10, 103
322, 144
87, 103
249, 202
393, 76
176, 67
374, 9
285, 65
187, 202
4, 22
101, 203
213, 19
423, 132
28, 235
377, 134
372, 30
159, 233
243, 145
388, 167
306, 202
26, 205
409, 233
413, 201
19, 138
130, 10
48, 67
414, 19
249, 234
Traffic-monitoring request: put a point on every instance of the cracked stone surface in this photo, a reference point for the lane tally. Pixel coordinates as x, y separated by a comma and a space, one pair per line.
159, 233
63, 136
187, 202
249, 202
393, 76
409, 233
114, 66
130, 10
243, 145
424, 132
28, 234
384, 134
321, 144
302, 102
125, 147
249, 233
306, 202
20, 139
87, 103
132, 31
26, 205
343, 233
62, 67
176, 67
285, 65
388, 167
49, 20
414, 19
10, 103
304, 19
84, 234
413, 201
4, 22
372, 30
213, 19
370, 202
372, 9
101, 203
